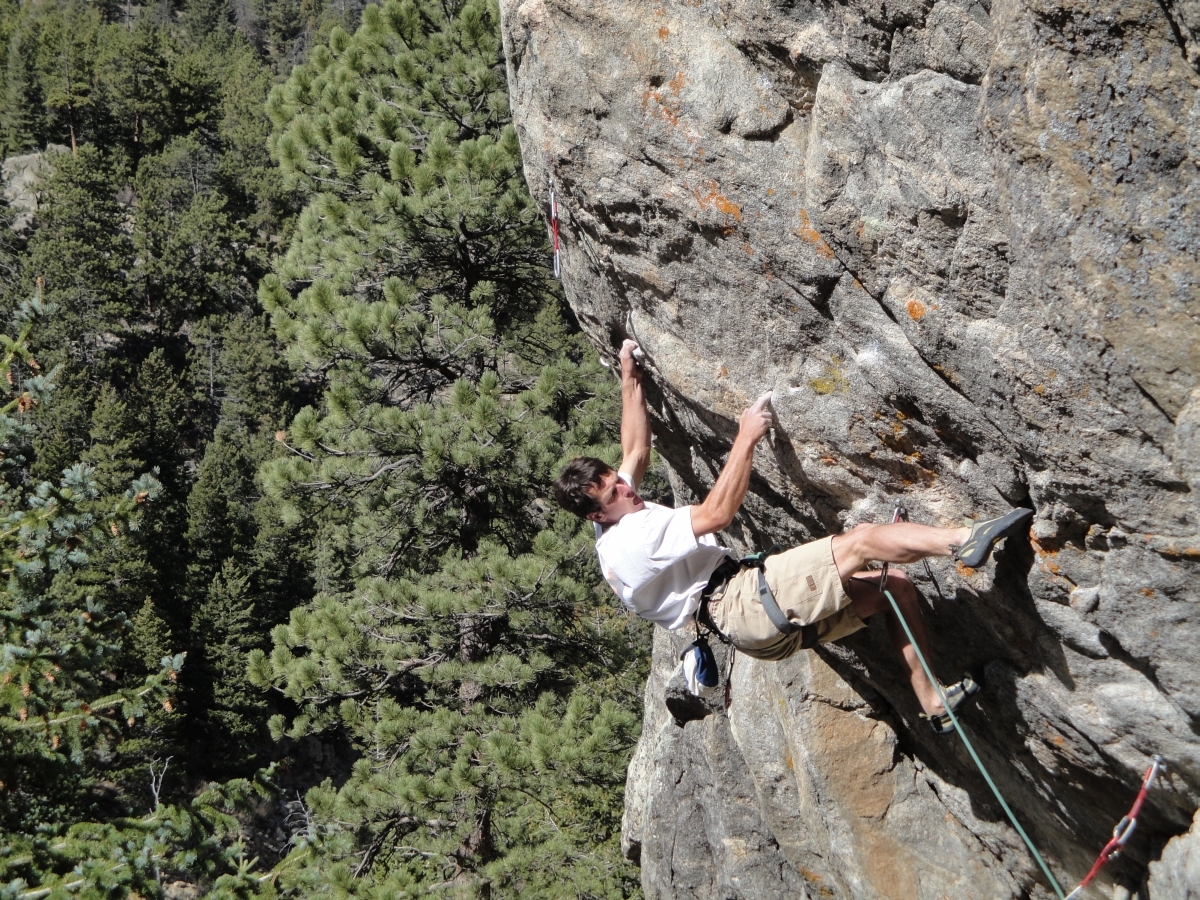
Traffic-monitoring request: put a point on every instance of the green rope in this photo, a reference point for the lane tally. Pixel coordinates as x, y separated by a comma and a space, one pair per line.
962, 734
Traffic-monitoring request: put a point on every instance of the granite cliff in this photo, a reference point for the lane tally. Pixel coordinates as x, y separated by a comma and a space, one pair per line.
957, 239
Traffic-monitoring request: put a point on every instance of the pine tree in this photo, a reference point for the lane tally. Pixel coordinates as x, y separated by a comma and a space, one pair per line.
233, 708
465, 648
60, 712
150, 636
68, 44
18, 121
80, 248
133, 74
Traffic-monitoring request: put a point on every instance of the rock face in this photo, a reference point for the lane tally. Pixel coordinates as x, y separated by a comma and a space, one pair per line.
957, 239
1176, 876
21, 176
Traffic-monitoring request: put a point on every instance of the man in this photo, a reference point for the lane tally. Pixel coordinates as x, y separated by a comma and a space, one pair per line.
666, 566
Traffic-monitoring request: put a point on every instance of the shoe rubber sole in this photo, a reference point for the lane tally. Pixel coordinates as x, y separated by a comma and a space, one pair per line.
984, 535
956, 696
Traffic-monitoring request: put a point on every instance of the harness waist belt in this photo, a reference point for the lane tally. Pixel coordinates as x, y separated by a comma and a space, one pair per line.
727, 570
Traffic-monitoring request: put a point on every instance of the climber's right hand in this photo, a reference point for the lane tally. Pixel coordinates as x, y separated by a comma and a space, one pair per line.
757, 420
629, 363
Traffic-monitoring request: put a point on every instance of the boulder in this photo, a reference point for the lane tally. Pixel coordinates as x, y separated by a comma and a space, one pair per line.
21, 176
957, 240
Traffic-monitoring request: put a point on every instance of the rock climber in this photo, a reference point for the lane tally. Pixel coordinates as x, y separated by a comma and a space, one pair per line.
666, 565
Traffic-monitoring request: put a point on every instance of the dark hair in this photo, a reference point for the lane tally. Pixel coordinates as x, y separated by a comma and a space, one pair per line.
570, 488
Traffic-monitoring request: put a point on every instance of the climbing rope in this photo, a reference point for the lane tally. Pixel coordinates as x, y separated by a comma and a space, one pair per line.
1124, 828
554, 226
1121, 833
970, 749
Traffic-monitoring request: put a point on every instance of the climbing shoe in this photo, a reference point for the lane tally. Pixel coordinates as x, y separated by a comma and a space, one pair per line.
956, 696
974, 552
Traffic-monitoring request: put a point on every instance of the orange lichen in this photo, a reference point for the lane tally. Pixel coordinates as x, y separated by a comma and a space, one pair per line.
748, 249
709, 194
1042, 548
1147, 592
666, 109
916, 309
1039, 389
664, 33
965, 571
809, 234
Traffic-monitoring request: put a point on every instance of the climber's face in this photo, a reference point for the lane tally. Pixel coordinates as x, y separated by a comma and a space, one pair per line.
616, 499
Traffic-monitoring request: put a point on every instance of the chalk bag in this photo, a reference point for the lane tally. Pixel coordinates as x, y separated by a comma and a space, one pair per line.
700, 668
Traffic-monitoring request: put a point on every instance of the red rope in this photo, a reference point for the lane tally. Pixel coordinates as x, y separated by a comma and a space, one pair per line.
554, 225
1124, 828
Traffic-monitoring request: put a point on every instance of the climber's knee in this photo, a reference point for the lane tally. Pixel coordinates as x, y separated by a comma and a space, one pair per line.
865, 597
900, 587
852, 550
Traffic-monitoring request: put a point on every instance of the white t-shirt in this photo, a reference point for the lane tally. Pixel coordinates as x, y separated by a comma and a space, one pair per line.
656, 565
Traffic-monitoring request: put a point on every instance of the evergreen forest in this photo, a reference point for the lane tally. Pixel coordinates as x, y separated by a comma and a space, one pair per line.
286, 608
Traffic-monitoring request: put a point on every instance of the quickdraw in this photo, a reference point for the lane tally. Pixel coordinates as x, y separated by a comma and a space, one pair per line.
900, 514
554, 226
1124, 828
897, 514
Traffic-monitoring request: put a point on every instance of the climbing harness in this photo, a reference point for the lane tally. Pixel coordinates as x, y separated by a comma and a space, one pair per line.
554, 226
778, 617
1124, 828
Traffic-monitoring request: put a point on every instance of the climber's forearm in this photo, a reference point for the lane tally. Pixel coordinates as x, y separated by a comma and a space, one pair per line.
635, 418
725, 498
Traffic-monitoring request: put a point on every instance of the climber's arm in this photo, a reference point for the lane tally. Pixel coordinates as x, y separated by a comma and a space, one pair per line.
725, 498
635, 419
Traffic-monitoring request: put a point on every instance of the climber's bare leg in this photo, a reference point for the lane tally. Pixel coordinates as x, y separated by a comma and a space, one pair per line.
903, 542
866, 599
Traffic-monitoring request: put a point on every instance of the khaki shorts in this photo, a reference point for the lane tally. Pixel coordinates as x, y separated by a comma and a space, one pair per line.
805, 584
